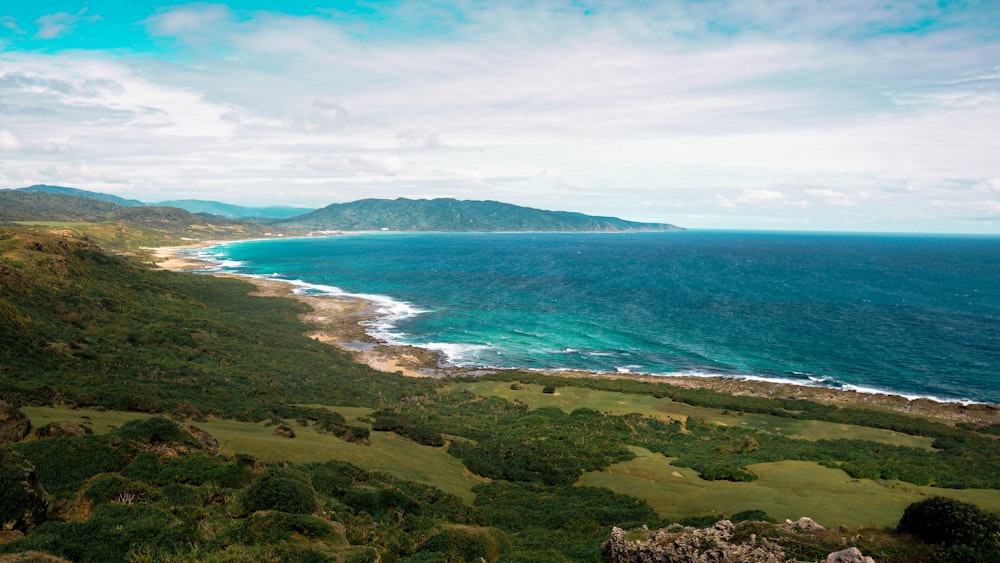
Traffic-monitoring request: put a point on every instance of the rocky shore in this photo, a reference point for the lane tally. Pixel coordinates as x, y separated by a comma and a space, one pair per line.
338, 321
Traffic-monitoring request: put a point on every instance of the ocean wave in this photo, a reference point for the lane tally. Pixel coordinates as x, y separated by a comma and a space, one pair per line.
456, 354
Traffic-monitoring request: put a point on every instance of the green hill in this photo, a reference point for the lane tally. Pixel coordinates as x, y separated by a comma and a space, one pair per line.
454, 215
83, 193
19, 205
168, 225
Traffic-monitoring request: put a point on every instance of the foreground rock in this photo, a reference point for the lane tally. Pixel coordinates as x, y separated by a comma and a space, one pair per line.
678, 544
61, 428
14, 426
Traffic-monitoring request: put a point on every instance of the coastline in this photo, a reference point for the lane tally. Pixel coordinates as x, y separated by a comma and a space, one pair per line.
338, 321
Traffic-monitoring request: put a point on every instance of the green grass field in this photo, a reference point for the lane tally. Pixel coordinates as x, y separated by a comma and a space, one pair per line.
785, 490
570, 398
389, 453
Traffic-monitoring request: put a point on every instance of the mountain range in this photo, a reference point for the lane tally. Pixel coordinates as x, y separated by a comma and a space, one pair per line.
57, 203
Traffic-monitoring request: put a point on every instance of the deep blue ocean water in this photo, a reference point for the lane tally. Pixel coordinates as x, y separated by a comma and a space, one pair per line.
910, 314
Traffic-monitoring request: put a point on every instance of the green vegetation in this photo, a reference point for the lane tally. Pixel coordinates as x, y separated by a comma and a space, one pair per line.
512, 466
968, 533
120, 226
454, 215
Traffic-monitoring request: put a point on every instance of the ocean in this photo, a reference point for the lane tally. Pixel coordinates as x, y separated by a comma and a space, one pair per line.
914, 315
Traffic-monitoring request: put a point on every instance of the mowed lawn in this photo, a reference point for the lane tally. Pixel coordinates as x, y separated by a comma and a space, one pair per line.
570, 398
388, 452
785, 490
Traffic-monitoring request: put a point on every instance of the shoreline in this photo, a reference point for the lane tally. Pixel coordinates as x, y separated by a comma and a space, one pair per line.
338, 322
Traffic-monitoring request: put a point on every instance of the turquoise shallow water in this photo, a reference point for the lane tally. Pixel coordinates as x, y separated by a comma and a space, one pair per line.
914, 315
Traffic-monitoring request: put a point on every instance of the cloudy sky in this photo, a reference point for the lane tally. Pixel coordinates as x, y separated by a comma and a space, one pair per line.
766, 114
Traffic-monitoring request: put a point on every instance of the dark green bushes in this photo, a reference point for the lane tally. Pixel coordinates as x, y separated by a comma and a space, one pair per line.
23, 501
966, 532
195, 469
280, 489
113, 533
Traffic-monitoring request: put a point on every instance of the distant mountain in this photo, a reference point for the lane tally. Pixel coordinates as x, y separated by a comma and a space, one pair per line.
82, 193
27, 205
236, 211
42, 206
454, 215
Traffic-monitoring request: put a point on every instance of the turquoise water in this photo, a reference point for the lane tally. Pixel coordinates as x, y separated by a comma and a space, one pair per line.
913, 315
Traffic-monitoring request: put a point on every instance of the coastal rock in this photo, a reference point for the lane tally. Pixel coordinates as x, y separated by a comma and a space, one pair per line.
14, 426
285, 431
61, 428
689, 545
849, 555
678, 544
25, 502
804, 524
209, 442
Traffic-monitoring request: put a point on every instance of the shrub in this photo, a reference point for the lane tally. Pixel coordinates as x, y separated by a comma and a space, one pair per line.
280, 489
550, 389
275, 527
23, 501
456, 545
156, 430
951, 522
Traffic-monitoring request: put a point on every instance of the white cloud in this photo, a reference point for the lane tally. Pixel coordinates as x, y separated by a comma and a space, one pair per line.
796, 110
51, 26
9, 141
832, 197
185, 21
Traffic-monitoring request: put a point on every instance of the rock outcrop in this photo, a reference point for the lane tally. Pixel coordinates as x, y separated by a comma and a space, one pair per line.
849, 555
285, 431
804, 524
14, 426
678, 544
61, 428
689, 545
209, 442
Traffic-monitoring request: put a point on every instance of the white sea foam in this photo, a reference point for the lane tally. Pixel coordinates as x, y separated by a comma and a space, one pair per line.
456, 354
876, 391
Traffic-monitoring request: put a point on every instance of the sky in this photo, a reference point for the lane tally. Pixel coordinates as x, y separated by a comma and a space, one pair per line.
854, 115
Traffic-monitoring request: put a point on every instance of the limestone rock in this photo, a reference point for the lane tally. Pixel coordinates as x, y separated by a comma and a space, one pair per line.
804, 524
14, 426
285, 431
689, 545
678, 544
61, 428
209, 442
849, 555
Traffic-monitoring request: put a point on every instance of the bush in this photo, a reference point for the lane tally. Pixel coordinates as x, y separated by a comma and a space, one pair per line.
550, 389
23, 501
951, 522
456, 545
280, 489
275, 527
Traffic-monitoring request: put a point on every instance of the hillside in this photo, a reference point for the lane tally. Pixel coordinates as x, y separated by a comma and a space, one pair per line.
231, 211
83, 193
162, 225
18, 205
455, 216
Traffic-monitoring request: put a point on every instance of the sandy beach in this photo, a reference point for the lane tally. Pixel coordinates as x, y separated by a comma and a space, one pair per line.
337, 321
